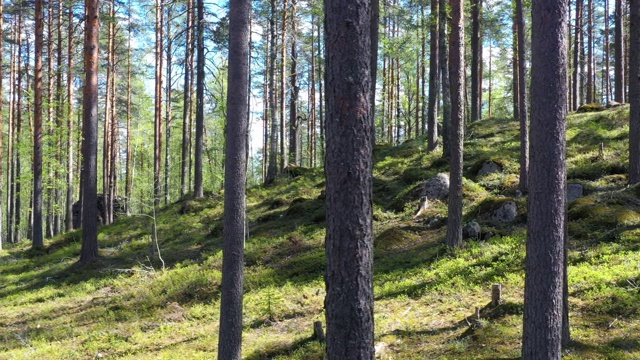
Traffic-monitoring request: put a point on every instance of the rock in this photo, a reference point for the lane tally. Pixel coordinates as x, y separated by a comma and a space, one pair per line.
471, 231
489, 167
505, 213
436, 188
574, 191
613, 104
435, 222
381, 349
591, 107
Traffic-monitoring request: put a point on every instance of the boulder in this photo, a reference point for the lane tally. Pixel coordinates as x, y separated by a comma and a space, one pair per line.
489, 167
436, 188
506, 213
574, 191
591, 107
471, 231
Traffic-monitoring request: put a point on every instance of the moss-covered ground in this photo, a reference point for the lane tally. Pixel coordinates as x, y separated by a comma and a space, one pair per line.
126, 307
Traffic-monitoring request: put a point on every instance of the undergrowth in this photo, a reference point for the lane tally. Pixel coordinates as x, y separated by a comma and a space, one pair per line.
125, 306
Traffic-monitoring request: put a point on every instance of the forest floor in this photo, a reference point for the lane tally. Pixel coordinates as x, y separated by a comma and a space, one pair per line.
127, 306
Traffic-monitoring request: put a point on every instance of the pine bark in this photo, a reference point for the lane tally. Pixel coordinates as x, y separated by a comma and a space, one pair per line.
230, 339
294, 124
542, 335
444, 80
186, 108
89, 250
476, 60
198, 186
272, 167
634, 91
456, 72
619, 54
577, 45
434, 48
158, 124
349, 242
37, 239
523, 104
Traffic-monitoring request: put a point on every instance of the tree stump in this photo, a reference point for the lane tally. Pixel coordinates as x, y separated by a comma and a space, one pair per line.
318, 332
496, 294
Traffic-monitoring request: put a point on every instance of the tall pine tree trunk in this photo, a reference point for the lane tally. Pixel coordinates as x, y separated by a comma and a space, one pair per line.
619, 67
523, 105
37, 129
157, 133
456, 71
349, 242
199, 186
434, 47
230, 339
444, 79
542, 334
634, 91
186, 108
89, 250
476, 60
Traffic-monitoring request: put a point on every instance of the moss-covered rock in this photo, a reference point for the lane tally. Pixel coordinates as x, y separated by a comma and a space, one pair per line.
591, 107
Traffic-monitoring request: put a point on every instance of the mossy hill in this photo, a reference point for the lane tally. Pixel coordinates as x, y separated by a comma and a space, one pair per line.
126, 307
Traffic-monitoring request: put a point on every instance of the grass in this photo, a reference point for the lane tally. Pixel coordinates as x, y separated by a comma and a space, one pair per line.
125, 307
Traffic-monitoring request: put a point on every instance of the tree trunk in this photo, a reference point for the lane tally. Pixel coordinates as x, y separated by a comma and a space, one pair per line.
129, 161
523, 105
17, 194
89, 250
272, 168
37, 129
294, 124
547, 183
230, 339
476, 60
283, 66
577, 45
186, 109
634, 92
434, 47
444, 80
590, 76
607, 78
157, 133
199, 187
619, 69
349, 242
456, 71
168, 114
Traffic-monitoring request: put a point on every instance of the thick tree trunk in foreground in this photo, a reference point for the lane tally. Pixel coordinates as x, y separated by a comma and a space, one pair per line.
542, 335
349, 242
89, 249
230, 339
